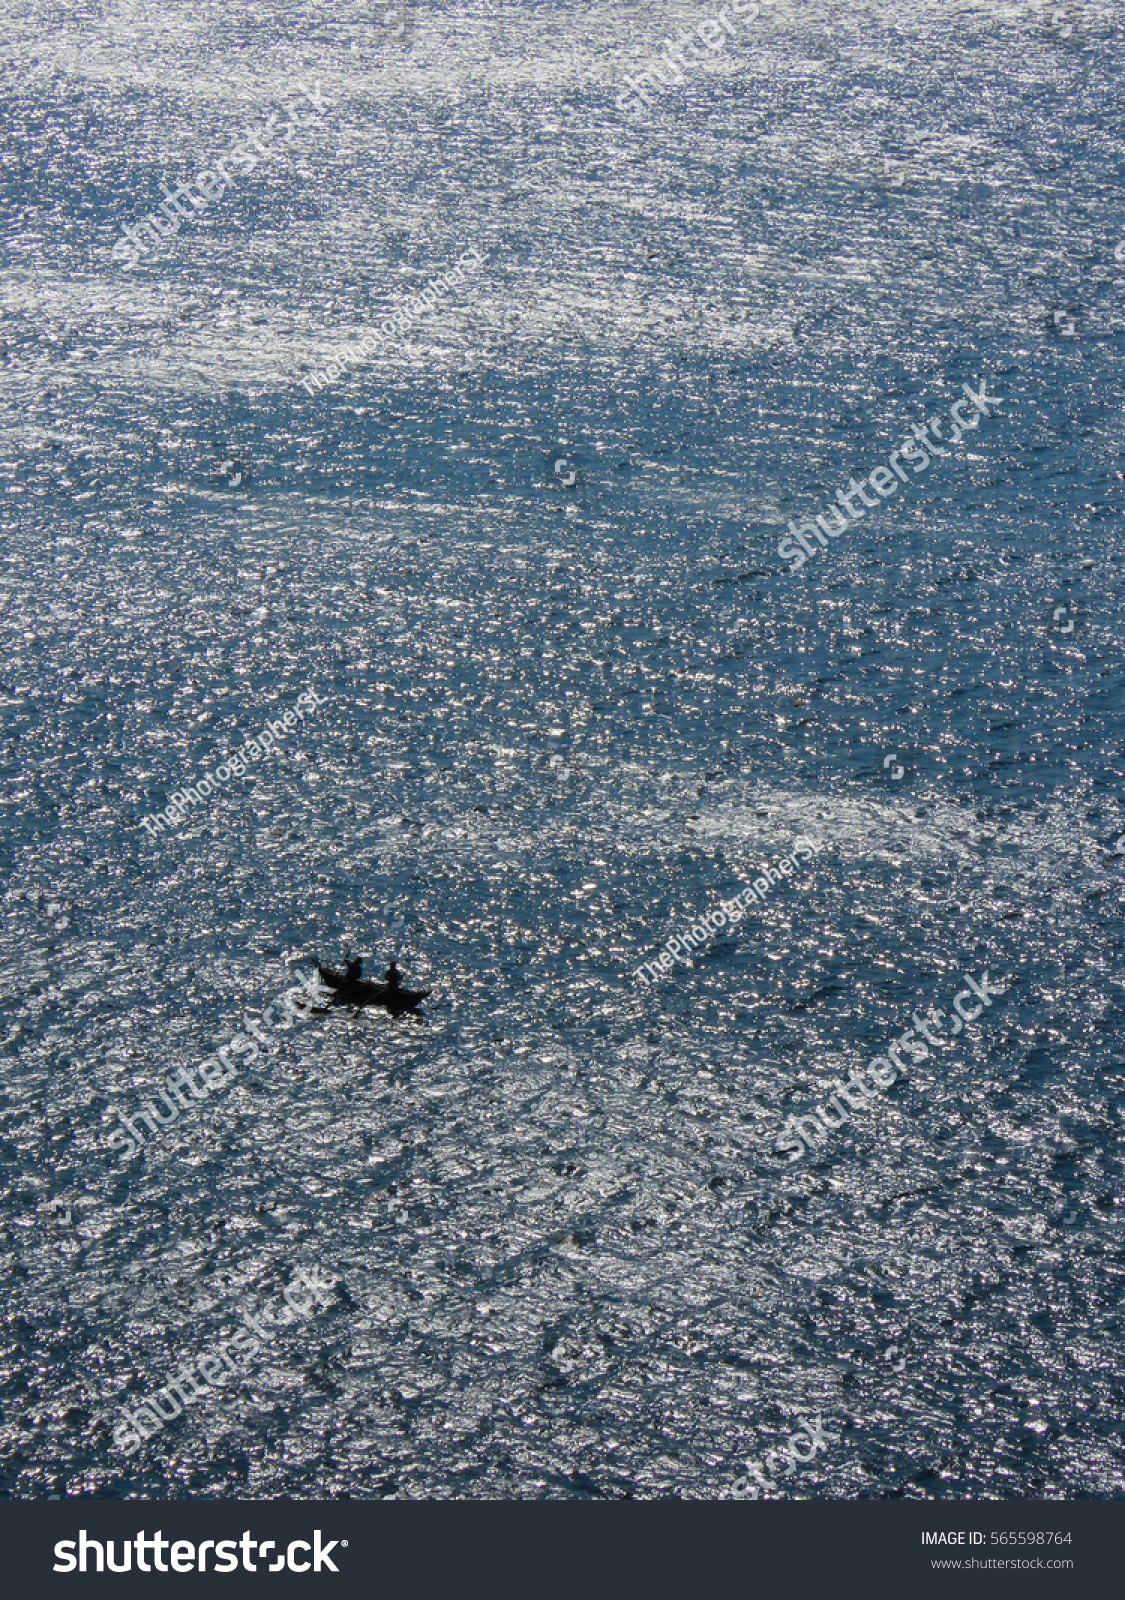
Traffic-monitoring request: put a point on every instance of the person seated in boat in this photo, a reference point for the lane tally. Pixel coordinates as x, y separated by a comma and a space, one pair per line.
392, 977
354, 970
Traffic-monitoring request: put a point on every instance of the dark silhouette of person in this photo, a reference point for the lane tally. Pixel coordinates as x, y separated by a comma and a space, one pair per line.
392, 977
355, 970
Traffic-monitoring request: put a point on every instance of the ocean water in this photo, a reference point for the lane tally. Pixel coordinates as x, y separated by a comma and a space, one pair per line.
526, 556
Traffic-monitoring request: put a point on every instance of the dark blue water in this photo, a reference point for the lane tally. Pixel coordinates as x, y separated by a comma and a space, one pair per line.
526, 554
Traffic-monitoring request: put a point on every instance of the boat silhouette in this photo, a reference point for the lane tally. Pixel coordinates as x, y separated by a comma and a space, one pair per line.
350, 991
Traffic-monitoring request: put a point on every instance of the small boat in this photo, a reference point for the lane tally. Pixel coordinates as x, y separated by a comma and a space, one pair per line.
362, 992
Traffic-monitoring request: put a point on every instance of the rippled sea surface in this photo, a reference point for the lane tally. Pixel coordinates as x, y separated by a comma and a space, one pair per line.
527, 558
